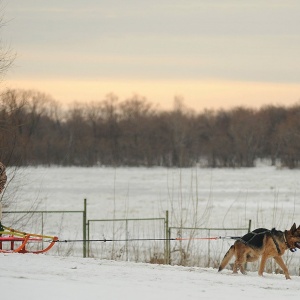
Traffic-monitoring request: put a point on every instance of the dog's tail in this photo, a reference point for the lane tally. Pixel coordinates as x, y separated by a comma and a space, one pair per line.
227, 258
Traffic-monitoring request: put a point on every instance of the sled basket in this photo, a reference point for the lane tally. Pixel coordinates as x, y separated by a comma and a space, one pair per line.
19, 240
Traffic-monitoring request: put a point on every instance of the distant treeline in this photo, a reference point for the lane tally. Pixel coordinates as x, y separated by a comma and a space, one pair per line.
36, 130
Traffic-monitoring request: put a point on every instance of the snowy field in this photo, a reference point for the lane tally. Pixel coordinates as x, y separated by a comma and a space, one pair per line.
223, 197
194, 197
31, 277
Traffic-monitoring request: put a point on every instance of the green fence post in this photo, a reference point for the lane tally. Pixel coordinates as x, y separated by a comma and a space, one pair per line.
167, 244
84, 229
126, 237
88, 237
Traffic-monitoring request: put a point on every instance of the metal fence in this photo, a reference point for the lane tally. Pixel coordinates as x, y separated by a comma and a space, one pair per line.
203, 247
140, 239
70, 224
152, 240
130, 239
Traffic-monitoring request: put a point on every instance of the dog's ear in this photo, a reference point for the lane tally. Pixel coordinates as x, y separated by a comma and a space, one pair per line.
293, 228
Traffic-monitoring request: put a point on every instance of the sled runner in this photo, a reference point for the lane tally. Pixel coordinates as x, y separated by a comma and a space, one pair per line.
19, 240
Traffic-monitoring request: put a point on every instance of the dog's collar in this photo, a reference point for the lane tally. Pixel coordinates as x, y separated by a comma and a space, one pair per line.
287, 244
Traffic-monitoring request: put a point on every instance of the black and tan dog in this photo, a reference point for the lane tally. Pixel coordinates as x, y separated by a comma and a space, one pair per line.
262, 243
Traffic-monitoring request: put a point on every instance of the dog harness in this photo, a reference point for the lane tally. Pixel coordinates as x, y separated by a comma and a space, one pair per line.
275, 242
261, 231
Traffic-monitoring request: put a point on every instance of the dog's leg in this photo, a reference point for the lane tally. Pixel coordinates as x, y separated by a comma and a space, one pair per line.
262, 265
241, 255
282, 265
238, 266
239, 263
242, 269
235, 268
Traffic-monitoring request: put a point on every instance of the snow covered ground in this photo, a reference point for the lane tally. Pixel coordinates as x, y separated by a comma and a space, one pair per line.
225, 198
31, 277
230, 197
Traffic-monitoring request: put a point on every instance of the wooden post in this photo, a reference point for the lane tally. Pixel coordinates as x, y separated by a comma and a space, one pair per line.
249, 226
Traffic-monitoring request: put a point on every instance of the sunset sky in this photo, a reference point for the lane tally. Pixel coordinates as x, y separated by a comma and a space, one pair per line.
213, 53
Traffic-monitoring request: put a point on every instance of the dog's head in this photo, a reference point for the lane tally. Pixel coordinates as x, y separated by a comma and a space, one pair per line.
293, 236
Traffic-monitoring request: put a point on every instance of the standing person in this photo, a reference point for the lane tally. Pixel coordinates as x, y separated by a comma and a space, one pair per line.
3, 177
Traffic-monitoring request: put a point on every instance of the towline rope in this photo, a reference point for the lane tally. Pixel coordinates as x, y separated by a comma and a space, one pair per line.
146, 239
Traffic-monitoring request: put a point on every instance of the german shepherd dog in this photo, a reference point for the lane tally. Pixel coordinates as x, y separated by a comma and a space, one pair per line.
262, 243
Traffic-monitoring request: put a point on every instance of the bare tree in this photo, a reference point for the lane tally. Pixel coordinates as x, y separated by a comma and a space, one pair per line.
7, 56
289, 138
135, 121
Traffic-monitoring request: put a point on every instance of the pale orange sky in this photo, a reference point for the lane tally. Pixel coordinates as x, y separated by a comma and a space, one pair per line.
212, 53
198, 95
